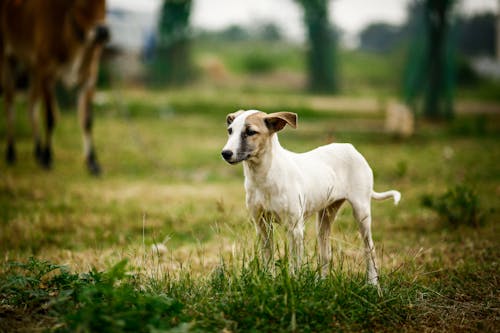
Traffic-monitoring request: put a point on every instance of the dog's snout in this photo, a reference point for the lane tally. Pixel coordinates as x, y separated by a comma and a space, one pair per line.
102, 34
227, 154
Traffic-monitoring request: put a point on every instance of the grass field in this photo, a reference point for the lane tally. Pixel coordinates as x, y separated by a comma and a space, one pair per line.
93, 268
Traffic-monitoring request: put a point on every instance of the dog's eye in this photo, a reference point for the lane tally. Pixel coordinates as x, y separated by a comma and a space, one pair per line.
230, 131
250, 132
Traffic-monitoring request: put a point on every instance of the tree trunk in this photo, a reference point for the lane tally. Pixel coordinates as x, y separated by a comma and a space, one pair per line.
321, 48
172, 64
438, 95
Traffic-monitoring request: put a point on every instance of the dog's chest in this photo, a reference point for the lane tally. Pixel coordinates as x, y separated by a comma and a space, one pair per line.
267, 197
294, 192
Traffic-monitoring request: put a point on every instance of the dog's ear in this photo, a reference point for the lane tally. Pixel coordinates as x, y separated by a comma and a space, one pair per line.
276, 121
230, 117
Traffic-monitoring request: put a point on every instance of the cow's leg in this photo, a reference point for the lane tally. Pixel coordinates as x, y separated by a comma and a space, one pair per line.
10, 153
9, 79
50, 121
34, 94
85, 115
89, 74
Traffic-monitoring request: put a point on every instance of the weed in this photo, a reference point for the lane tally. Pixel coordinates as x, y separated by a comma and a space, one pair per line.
458, 206
96, 301
111, 300
402, 169
36, 290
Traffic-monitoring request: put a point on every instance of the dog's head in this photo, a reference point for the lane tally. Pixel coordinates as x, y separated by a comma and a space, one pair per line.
250, 133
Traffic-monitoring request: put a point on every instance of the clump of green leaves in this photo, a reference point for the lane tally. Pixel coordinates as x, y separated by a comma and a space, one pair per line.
402, 169
457, 206
108, 301
35, 283
113, 300
33, 293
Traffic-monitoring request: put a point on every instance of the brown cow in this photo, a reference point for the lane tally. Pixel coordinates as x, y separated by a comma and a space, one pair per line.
51, 40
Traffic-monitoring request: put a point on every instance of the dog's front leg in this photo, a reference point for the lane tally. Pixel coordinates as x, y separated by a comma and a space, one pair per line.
264, 228
295, 233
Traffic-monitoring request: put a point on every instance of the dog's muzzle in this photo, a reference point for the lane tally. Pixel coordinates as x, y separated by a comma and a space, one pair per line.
227, 155
231, 158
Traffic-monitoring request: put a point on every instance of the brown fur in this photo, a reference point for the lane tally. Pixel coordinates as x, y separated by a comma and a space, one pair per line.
265, 125
258, 142
276, 121
50, 41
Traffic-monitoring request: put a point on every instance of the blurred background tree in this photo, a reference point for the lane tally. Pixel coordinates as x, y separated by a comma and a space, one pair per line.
234, 33
321, 52
380, 37
430, 71
172, 63
476, 34
269, 31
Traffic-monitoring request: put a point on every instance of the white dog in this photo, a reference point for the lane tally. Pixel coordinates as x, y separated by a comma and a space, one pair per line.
290, 187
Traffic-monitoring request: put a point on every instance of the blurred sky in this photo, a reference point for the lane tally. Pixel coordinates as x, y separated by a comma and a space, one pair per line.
350, 15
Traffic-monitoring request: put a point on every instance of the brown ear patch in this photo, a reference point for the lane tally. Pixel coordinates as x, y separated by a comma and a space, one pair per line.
230, 117
277, 121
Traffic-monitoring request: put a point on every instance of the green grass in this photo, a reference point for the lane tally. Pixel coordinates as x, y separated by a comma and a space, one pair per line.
245, 297
164, 182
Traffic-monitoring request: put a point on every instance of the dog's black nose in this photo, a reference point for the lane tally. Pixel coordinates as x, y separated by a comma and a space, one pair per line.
102, 34
227, 154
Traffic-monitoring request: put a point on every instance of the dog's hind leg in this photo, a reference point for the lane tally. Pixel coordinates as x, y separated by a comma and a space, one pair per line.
362, 213
324, 219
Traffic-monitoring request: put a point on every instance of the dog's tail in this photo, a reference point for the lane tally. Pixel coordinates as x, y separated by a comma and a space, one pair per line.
385, 195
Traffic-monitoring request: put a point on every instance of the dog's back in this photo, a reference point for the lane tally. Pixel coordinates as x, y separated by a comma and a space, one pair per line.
337, 169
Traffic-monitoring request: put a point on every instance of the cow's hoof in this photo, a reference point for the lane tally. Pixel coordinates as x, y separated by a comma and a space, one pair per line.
92, 165
46, 160
10, 154
94, 168
38, 153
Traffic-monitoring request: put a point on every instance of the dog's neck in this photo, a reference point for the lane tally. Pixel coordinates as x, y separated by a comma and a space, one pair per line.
266, 165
